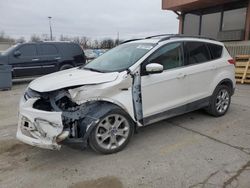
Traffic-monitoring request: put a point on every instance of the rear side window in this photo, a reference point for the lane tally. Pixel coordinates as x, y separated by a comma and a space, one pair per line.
215, 50
48, 49
196, 52
28, 50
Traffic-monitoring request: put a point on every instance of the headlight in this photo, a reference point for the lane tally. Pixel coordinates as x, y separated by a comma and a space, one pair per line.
29, 93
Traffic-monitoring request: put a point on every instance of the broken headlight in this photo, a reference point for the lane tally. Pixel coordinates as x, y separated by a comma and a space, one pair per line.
29, 93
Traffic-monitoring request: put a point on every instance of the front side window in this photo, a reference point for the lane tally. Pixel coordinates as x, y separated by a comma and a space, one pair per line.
28, 50
119, 58
48, 49
169, 56
196, 52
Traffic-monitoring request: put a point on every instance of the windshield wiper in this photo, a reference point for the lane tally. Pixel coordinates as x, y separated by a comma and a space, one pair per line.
91, 69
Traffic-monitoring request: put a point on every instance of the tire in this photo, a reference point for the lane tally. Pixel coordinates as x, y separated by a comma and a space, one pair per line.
112, 133
66, 66
220, 101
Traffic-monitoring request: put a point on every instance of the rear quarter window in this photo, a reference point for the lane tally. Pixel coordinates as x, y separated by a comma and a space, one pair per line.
70, 49
215, 50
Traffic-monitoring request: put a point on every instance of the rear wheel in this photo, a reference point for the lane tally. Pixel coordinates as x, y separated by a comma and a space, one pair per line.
66, 66
112, 133
220, 101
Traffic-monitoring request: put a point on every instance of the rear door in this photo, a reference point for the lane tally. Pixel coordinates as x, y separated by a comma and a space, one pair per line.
50, 57
201, 70
27, 63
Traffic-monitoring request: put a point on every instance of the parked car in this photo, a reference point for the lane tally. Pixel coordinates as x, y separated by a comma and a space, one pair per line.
94, 53
90, 54
31, 59
133, 85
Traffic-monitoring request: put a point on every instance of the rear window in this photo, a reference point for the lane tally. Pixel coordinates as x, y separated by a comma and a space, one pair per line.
196, 52
216, 50
48, 49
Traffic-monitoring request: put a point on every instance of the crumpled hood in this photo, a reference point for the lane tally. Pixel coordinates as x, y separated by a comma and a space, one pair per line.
69, 78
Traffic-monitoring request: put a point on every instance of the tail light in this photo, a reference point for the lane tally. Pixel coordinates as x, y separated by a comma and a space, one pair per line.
231, 61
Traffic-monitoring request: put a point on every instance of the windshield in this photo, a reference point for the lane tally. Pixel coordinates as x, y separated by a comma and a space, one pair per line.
9, 49
120, 58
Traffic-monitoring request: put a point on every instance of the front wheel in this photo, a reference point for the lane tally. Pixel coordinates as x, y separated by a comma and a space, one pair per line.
112, 133
220, 101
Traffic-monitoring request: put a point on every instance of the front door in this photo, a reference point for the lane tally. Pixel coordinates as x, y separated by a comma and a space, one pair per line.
27, 62
167, 90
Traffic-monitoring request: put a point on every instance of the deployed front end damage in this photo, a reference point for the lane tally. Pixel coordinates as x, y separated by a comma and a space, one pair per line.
39, 128
47, 118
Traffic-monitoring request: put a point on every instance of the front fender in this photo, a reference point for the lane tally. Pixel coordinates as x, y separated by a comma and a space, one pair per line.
92, 117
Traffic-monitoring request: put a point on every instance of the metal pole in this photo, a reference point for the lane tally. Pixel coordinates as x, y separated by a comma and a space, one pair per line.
50, 28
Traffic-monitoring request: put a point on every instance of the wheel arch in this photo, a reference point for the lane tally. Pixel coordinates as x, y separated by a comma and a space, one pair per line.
97, 110
66, 63
227, 82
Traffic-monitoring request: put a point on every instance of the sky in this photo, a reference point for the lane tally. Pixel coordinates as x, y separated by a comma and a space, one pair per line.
91, 18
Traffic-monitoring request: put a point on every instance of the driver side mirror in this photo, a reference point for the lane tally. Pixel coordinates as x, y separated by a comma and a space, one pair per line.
17, 53
154, 68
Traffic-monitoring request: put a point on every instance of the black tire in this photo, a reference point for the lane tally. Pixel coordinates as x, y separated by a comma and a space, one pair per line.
66, 66
212, 109
93, 140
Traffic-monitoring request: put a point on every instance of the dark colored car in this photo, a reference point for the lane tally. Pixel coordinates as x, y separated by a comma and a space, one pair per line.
30, 59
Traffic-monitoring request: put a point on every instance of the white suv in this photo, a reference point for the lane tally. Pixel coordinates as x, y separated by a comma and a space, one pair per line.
135, 84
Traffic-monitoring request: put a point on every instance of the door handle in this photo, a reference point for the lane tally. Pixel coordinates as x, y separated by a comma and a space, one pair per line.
57, 58
181, 75
35, 59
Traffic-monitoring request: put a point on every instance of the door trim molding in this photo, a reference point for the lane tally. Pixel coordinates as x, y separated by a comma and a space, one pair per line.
177, 111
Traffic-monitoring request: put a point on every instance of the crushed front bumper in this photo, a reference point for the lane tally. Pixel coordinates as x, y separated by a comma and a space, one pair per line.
38, 128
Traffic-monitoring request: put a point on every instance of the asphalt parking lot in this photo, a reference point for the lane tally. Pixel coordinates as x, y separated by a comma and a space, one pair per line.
193, 150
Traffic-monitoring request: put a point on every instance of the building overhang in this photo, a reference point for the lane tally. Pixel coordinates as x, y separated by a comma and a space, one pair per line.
189, 5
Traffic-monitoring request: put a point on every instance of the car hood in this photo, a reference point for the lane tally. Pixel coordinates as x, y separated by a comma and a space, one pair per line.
70, 78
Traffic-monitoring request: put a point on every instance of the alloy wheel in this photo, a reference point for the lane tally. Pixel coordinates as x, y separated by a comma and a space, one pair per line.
222, 101
112, 131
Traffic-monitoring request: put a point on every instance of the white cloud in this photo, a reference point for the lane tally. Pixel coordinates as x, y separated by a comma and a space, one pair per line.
92, 18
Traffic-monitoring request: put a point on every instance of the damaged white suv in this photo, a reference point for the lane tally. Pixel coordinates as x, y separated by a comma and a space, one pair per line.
135, 84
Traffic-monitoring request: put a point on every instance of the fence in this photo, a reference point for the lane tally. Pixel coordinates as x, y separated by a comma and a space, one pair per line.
238, 48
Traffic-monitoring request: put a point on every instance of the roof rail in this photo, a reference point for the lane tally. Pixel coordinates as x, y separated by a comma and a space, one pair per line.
160, 35
182, 36
169, 36
126, 41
